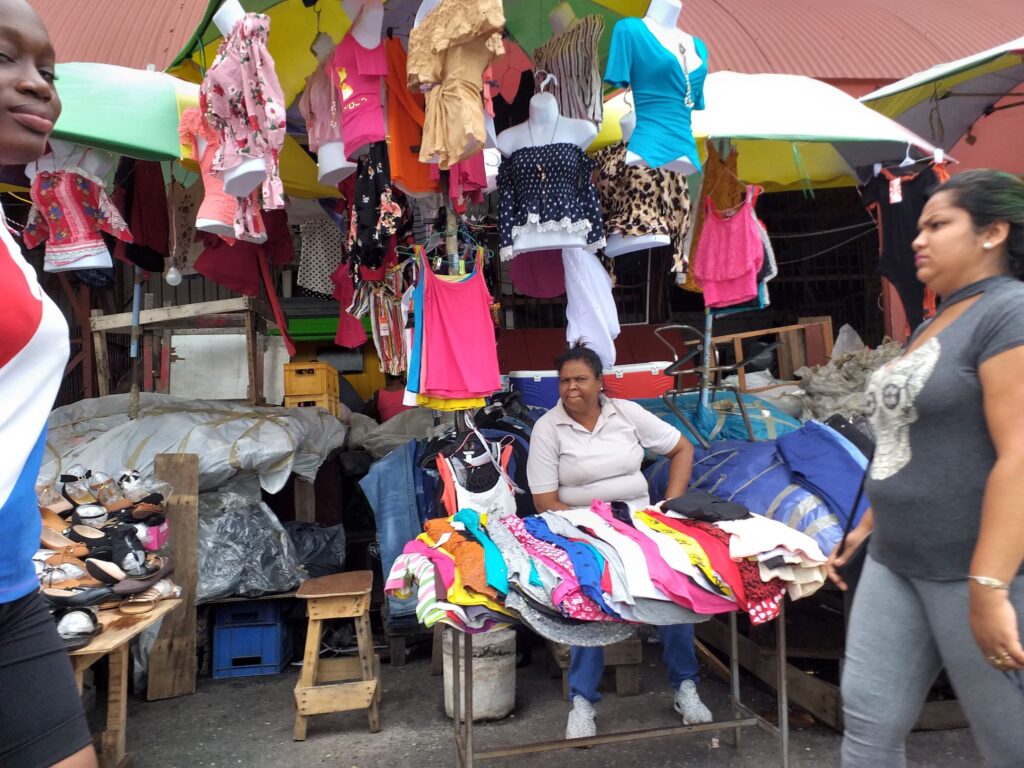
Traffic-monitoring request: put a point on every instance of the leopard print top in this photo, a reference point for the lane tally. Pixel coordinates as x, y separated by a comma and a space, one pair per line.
637, 200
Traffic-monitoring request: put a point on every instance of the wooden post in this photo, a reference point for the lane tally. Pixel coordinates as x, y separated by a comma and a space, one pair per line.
99, 345
305, 500
172, 660
254, 387
147, 349
165, 359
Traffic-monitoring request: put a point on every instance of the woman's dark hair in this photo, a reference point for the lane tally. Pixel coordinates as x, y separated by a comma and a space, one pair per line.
579, 351
989, 196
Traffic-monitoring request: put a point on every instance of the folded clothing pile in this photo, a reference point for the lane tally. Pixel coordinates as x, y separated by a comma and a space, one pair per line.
99, 548
582, 576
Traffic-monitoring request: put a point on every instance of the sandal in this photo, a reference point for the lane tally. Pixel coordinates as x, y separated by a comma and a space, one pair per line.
144, 602
76, 626
60, 543
98, 543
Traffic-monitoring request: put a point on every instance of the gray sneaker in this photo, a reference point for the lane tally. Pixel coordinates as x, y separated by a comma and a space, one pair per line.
581, 720
689, 705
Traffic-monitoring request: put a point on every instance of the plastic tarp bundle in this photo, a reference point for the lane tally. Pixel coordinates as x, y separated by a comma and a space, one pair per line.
767, 420
243, 549
381, 439
320, 548
230, 439
838, 387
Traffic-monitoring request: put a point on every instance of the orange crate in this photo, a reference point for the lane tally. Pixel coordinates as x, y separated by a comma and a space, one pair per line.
312, 378
328, 403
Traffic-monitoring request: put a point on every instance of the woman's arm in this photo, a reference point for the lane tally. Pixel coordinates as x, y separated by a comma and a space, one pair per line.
548, 502
855, 538
1000, 547
679, 469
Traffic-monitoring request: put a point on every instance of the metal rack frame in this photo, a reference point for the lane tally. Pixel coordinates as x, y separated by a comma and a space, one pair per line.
743, 716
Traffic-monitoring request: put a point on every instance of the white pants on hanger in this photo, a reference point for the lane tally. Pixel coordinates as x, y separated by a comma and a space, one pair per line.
591, 312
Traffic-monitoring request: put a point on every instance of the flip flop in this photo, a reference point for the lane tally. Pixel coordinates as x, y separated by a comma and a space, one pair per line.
144, 602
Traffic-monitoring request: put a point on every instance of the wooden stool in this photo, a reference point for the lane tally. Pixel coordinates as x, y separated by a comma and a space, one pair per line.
320, 690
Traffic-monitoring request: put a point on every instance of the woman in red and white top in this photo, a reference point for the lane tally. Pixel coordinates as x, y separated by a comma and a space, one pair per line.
41, 716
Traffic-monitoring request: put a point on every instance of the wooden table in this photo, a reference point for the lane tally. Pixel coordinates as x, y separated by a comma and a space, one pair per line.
118, 630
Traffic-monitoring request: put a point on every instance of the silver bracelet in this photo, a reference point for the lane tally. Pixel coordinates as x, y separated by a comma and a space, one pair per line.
988, 581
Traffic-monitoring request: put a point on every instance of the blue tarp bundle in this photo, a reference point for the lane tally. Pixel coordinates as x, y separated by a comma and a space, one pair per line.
767, 421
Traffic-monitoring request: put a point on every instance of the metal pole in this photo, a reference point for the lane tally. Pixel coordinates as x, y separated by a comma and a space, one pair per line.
133, 398
780, 642
734, 675
457, 696
705, 375
469, 699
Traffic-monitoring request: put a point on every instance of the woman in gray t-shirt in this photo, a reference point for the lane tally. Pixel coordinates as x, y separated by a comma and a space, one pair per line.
942, 583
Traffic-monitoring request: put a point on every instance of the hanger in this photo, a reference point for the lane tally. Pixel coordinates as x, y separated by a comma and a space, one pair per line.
548, 77
907, 160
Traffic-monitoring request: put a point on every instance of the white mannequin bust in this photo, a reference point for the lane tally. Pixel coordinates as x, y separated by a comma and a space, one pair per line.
662, 19
561, 18
424, 10
66, 155
618, 244
546, 126
249, 174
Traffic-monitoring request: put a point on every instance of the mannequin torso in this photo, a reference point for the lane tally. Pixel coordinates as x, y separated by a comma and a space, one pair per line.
65, 155
546, 126
662, 19
247, 175
424, 10
561, 18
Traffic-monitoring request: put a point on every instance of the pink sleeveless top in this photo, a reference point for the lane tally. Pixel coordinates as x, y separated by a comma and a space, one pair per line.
729, 254
460, 356
358, 73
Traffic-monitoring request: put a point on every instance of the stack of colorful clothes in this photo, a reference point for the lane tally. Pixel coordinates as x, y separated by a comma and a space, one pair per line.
582, 576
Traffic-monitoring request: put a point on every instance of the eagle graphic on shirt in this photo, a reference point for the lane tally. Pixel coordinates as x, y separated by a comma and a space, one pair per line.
891, 395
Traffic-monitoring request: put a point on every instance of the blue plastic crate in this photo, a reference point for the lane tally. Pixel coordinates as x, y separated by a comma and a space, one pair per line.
248, 612
249, 650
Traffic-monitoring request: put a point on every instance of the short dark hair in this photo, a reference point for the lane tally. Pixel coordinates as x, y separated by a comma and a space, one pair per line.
579, 351
989, 196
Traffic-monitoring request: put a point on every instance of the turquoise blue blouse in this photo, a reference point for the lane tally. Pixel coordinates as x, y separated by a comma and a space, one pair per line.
638, 59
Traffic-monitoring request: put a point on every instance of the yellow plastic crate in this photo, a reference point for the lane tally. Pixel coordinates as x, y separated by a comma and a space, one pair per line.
327, 402
312, 378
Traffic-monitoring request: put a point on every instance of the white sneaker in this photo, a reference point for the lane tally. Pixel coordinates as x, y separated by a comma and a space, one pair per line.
689, 705
581, 720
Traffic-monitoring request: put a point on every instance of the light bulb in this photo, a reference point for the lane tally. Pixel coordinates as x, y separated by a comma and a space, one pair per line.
173, 276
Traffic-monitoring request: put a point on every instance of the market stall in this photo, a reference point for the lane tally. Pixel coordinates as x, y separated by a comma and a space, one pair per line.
401, 188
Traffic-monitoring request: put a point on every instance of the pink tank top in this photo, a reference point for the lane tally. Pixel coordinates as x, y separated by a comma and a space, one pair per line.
358, 73
460, 356
729, 254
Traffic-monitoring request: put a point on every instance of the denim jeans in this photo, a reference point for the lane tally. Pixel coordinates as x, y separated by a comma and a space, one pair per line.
586, 665
390, 488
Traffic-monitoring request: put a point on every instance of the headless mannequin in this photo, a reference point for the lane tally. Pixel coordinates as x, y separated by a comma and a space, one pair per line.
662, 19
561, 18
367, 27
241, 180
620, 244
66, 156
546, 126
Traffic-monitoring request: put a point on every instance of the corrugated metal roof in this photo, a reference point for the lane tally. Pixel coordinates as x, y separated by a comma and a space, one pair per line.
847, 39
125, 32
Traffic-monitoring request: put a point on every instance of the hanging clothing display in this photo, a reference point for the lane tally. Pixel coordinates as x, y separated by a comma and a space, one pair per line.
382, 301
184, 203
539, 274
351, 333
730, 254
358, 74
448, 52
895, 199
637, 200
454, 361
140, 195
572, 57
375, 215
406, 115
319, 107
217, 205
721, 183
70, 210
664, 92
243, 102
590, 312
320, 254
546, 188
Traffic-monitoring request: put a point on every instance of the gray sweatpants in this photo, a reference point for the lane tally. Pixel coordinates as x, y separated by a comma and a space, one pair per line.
902, 631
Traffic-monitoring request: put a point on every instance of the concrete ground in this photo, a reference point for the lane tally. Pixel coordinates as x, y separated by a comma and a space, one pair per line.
248, 722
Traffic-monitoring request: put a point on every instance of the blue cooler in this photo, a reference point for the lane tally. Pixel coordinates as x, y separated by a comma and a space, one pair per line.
537, 388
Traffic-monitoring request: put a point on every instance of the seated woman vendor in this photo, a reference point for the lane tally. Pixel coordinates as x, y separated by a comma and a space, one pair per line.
590, 447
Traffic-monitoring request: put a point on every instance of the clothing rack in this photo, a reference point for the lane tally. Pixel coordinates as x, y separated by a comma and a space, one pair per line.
466, 753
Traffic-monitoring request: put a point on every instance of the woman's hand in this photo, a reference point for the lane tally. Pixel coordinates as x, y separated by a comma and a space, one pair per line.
994, 624
837, 560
